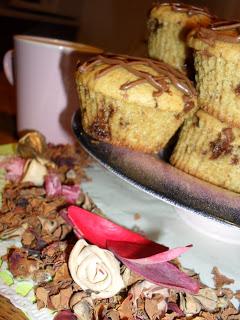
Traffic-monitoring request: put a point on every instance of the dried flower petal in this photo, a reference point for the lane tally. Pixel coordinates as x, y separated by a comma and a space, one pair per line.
53, 185
31, 145
14, 167
34, 173
95, 269
107, 234
65, 315
71, 193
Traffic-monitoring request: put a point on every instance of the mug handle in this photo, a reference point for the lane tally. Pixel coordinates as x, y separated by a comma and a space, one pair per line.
8, 66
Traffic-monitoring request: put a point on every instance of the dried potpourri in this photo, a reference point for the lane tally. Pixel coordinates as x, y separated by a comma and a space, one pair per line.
42, 182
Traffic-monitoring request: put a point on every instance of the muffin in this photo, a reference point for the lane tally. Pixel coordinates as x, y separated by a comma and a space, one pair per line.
133, 102
210, 150
169, 24
217, 61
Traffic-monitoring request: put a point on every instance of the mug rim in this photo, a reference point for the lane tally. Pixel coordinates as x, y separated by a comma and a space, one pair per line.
54, 42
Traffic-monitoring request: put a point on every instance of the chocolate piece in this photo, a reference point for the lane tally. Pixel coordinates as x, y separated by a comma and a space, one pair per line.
235, 159
154, 24
222, 145
237, 90
100, 127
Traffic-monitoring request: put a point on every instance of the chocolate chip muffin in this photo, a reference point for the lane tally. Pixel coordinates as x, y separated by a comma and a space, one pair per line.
133, 102
169, 24
217, 64
210, 150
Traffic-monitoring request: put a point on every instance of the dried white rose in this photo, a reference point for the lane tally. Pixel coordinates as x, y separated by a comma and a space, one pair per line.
95, 269
34, 172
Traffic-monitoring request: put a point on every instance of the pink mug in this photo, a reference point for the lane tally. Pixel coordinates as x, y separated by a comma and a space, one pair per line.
43, 71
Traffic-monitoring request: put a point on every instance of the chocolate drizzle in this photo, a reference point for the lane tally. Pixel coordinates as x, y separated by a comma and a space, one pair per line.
166, 74
226, 31
185, 8
225, 25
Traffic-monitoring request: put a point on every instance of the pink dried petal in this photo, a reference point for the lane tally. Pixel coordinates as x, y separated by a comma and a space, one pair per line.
99, 230
14, 167
71, 193
140, 253
53, 185
65, 315
163, 274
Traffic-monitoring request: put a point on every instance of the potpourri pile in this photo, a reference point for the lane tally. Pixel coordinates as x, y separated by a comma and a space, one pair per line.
83, 265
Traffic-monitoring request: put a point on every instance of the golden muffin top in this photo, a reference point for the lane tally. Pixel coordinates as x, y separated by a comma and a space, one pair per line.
139, 80
179, 13
190, 10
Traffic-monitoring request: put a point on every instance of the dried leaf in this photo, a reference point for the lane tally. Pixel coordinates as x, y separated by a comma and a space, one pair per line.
155, 307
34, 172
219, 279
13, 232
125, 309
112, 315
42, 295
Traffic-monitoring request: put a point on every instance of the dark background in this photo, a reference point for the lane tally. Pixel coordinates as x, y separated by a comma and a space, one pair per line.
115, 25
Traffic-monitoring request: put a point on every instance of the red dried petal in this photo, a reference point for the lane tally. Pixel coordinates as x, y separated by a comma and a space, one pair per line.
99, 230
145, 253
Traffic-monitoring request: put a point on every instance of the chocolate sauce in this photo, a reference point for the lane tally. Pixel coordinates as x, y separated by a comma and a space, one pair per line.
166, 74
185, 8
225, 25
226, 31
